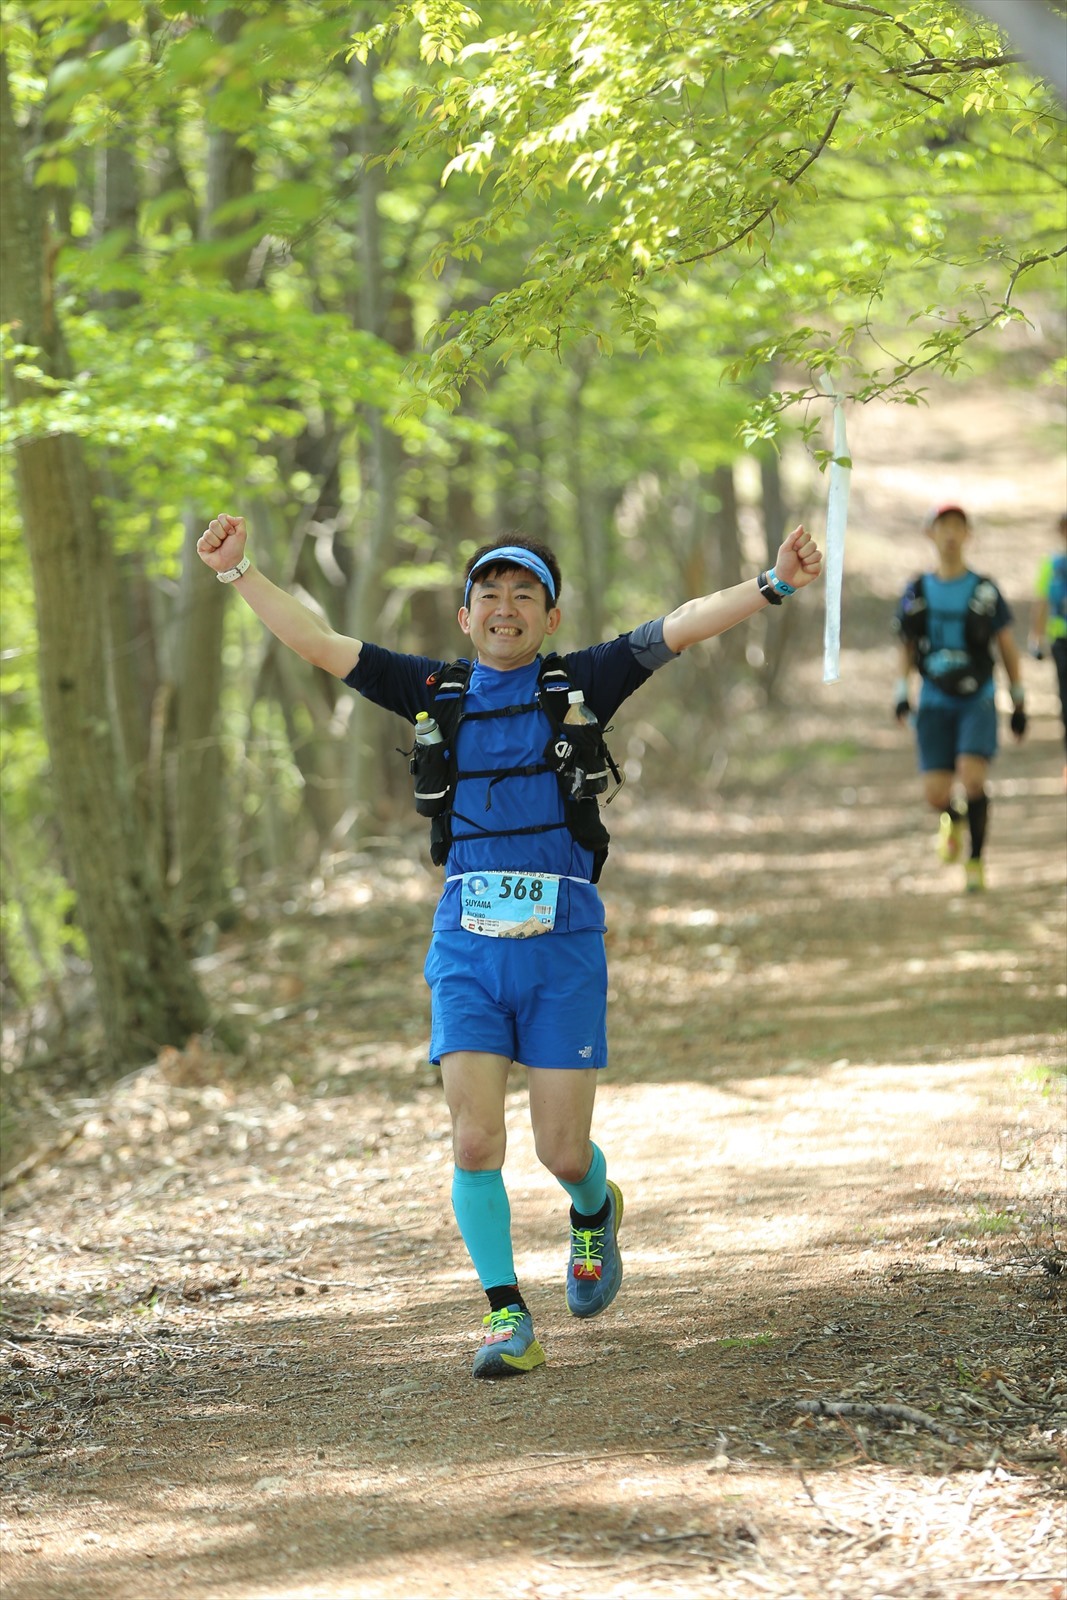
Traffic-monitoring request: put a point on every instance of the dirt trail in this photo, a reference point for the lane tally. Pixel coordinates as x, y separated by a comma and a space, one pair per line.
238, 1322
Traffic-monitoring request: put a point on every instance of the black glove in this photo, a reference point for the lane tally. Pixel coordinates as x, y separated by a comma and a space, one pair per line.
1018, 722
902, 710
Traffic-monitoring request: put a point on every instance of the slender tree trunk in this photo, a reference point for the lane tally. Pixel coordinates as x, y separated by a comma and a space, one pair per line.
145, 989
134, 668
526, 506
118, 190
381, 459
727, 535
774, 512
774, 530
590, 523
200, 870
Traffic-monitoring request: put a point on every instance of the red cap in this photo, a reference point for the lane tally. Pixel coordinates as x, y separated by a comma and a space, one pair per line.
943, 511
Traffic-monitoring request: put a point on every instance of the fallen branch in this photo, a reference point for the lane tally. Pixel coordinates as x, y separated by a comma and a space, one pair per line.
877, 1411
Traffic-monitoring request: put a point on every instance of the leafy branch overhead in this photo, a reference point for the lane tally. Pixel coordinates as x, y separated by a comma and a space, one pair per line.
859, 164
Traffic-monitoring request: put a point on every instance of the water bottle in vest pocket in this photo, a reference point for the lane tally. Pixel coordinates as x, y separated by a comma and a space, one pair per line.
429, 767
577, 753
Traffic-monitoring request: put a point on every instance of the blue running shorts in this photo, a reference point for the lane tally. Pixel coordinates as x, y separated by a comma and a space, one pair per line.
947, 732
542, 1001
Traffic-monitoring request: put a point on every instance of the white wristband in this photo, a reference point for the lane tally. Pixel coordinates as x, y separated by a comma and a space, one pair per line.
234, 572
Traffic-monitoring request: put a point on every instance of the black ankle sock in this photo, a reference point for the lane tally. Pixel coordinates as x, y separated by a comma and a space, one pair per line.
505, 1294
580, 1221
977, 817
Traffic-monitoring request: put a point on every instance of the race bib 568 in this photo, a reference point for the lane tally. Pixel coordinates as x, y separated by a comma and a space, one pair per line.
508, 905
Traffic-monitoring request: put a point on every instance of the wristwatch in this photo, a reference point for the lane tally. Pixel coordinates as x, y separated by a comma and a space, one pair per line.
234, 572
767, 590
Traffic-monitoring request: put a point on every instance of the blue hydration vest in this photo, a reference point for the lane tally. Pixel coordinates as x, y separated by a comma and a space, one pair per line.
575, 754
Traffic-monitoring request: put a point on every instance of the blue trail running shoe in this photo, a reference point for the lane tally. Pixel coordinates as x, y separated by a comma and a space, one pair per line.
594, 1271
509, 1346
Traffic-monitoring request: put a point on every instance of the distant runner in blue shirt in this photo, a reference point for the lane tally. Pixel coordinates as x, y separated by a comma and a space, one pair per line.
1049, 619
950, 623
516, 963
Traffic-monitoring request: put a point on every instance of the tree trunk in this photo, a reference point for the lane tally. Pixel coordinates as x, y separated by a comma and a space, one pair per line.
590, 523
727, 534
134, 667
381, 460
146, 991
117, 198
774, 530
200, 870
774, 511
524, 506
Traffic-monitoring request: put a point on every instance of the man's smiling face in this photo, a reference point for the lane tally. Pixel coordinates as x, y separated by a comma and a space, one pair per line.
507, 618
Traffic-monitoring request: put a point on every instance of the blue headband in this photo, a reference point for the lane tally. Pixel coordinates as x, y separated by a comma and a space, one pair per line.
513, 555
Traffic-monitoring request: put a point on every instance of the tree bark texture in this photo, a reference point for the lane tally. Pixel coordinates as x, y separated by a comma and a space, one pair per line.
199, 872
589, 521
146, 991
382, 455
774, 528
727, 535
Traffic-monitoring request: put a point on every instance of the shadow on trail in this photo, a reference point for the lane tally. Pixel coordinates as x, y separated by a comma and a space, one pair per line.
332, 1461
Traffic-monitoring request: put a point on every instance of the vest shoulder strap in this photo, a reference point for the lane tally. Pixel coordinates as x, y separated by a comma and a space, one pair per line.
911, 621
553, 684
450, 685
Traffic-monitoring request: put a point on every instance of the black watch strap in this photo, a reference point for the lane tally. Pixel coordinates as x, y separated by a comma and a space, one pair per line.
767, 590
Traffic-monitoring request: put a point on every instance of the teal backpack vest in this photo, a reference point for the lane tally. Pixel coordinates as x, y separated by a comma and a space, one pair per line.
913, 624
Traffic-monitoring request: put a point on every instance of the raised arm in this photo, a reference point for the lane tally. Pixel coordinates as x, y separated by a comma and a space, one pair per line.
222, 548
798, 563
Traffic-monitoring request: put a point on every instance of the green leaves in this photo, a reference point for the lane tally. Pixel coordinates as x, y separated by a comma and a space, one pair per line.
720, 134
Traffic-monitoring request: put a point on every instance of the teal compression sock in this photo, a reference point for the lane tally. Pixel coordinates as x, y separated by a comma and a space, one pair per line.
590, 1196
483, 1212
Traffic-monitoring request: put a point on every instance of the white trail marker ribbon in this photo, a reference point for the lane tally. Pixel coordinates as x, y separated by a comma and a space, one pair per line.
836, 523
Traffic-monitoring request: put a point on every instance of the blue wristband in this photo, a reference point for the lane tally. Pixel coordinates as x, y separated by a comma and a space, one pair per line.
779, 584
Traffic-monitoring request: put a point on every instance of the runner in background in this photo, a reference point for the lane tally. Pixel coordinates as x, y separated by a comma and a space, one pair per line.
1049, 620
952, 622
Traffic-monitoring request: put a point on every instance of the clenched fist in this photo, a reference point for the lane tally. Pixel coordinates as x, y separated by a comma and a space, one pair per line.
799, 559
223, 544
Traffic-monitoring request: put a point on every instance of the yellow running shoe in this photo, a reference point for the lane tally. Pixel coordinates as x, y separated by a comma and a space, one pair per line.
975, 876
950, 838
509, 1346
